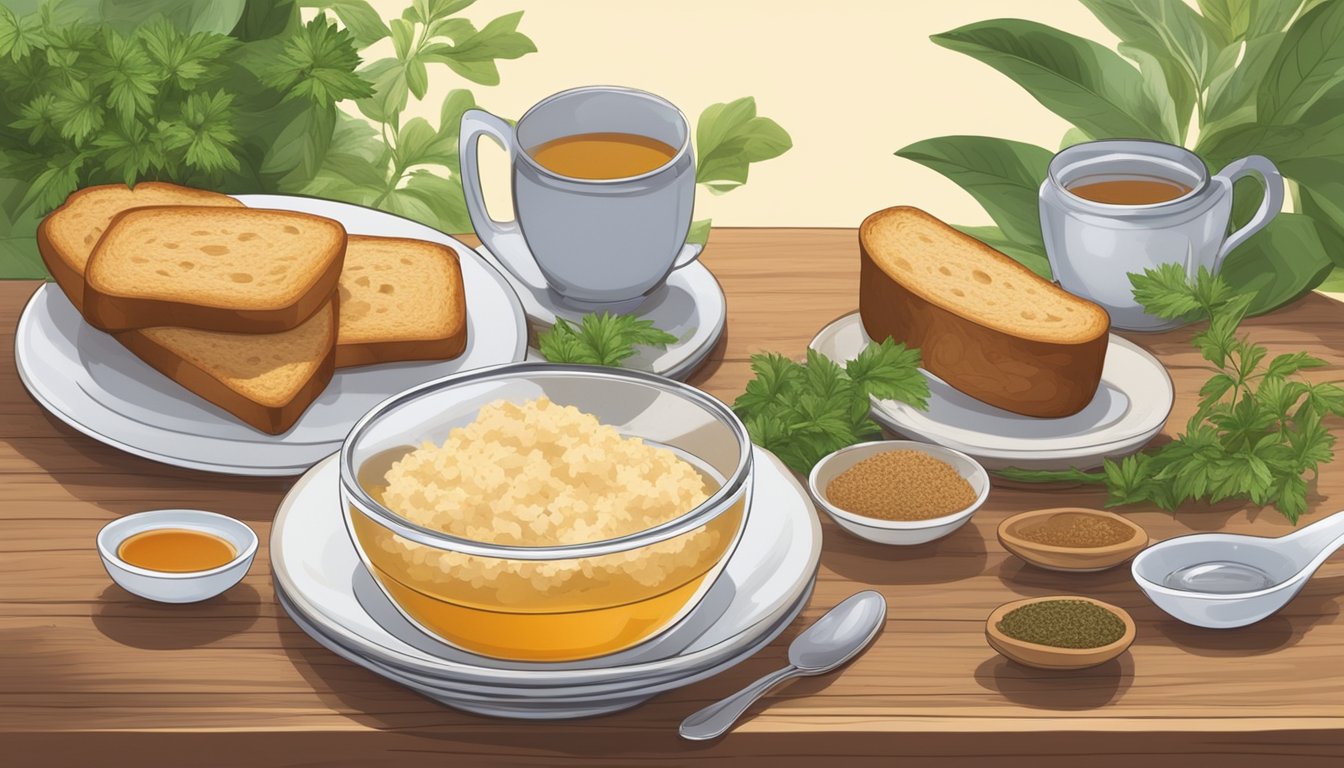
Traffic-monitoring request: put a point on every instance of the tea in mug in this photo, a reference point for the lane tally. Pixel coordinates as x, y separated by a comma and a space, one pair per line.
602, 155
1134, 191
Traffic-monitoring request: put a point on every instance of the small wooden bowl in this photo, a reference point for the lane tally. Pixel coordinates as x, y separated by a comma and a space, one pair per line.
1078, 559
1048, 656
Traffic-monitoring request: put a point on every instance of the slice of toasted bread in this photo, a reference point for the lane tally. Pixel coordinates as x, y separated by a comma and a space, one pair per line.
984, 323
267, 380
66, 237
400, 300
234, 270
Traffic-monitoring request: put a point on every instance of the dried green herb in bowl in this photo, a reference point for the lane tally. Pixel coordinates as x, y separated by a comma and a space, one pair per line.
1063, 624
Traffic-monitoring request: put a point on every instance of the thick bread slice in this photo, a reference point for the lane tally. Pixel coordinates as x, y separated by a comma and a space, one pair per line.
984, 323
235, 270
66, 237
267, 380
400, 300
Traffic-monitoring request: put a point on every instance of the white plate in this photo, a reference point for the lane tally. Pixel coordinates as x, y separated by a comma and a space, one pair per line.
316, 565
89, 381
524, 704
1130, 407
690, 306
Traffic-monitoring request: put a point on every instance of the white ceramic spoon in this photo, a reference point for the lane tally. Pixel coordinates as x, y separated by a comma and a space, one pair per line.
1225, 580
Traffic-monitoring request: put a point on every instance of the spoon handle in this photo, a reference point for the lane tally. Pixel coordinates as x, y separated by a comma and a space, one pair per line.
713, 721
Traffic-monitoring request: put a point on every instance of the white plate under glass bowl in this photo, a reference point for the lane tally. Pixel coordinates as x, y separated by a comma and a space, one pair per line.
690, 306
89, 381
331, 596
1129, 409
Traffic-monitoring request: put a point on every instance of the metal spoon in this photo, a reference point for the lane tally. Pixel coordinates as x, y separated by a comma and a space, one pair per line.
834, 639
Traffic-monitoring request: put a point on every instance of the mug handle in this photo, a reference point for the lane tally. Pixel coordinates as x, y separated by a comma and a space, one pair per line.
1252, 165
504, 239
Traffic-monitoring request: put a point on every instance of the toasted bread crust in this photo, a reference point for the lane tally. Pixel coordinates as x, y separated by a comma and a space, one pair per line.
112, 313
451, 344
268, 419
1034, 378
69, 277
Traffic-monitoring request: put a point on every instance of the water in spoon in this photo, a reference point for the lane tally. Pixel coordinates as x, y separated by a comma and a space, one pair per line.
1219, 578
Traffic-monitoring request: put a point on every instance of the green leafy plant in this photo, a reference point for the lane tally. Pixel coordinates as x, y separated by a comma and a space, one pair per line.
1259, 431
600, 339
803, 411
247, 96
1246, 76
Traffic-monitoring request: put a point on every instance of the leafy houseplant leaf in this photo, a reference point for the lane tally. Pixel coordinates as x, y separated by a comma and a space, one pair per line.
1231, 99
729, 137
1182, 45
218, 16
1309, 63
1077, 79
1003, 176
1280, 263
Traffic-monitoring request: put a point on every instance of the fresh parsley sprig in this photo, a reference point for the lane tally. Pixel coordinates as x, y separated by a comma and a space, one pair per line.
1259, 431
803, 411
600, 339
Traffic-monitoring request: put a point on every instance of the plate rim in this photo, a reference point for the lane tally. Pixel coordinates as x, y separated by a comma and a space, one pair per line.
23, 330
1026, 452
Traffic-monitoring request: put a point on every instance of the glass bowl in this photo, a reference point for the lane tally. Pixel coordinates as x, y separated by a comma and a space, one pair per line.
551, 602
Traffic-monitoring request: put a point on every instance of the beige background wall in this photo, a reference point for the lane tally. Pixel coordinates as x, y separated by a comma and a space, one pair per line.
850, 80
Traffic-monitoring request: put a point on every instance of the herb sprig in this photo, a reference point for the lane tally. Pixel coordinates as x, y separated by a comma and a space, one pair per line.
600, 339
803, 411
1259, 431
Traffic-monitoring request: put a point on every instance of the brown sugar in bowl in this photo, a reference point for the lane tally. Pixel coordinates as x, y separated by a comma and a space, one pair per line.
1049, 656
1069, 558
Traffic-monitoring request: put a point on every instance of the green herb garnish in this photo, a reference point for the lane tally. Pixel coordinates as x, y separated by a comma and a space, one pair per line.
803, 411
600, 339
1258, 432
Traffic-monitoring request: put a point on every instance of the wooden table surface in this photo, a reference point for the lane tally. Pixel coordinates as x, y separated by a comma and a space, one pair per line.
92, 675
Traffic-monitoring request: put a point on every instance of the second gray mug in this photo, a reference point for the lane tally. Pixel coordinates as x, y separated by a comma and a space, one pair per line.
592, 242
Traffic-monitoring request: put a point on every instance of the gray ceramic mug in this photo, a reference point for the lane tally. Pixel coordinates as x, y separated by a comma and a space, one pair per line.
594, 243
1093, 247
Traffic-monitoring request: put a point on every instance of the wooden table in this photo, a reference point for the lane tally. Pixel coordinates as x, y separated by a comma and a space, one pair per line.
92, 675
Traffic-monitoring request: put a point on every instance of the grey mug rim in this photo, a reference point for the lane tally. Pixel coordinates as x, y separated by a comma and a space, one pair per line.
1055, 166
682, 150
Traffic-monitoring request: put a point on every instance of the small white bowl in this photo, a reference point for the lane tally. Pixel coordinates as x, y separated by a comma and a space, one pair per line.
899, 532
169, 587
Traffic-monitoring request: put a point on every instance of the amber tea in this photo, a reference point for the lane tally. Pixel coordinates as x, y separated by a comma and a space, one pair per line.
1133, 191
602, 155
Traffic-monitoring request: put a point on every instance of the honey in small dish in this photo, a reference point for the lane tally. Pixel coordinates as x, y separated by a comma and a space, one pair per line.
176, 550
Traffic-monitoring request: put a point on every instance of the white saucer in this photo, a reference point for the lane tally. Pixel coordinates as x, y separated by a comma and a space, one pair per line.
690, 306
1129, 409
316, 567
89, 381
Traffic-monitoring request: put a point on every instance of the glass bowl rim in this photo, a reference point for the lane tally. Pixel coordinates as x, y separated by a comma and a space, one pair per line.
718, 502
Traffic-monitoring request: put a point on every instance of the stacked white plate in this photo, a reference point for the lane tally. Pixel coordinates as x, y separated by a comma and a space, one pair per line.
1131, 405
324, 587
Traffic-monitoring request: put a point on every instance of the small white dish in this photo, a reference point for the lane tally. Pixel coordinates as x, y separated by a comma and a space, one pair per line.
1130, 407
690, 306
86, 379
898, 532
177, 587
1228, 580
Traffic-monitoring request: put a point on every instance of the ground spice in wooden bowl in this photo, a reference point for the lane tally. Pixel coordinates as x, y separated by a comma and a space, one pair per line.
1073, 529
901, 485
1063, 624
